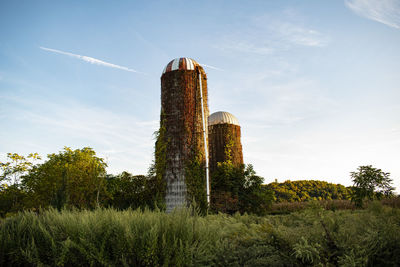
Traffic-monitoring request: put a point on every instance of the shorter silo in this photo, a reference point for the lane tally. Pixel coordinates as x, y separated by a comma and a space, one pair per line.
224, 139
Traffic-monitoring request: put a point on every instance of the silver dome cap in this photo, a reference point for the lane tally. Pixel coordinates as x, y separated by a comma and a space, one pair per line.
222, 117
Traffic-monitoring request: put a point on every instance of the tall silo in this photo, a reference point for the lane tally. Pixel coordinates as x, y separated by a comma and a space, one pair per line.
224, 139
182, 114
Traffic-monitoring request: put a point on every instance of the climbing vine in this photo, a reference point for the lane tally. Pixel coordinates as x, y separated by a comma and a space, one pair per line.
195, 182
157, 171
195, 177
228, 148
179, 141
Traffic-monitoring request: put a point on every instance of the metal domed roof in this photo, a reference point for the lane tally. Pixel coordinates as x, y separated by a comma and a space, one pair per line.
222, 117
182, 63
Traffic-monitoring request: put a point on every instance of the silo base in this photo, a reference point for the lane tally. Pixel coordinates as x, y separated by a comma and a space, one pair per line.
176, 193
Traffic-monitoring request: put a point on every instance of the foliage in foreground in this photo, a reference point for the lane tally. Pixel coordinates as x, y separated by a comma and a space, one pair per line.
106, 237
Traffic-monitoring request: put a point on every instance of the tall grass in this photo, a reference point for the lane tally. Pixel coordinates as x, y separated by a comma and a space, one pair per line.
333, 205
106, 237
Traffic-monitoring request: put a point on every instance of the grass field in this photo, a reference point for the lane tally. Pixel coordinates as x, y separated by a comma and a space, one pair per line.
106, 237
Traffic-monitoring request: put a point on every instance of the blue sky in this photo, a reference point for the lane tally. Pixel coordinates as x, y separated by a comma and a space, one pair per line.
315, 84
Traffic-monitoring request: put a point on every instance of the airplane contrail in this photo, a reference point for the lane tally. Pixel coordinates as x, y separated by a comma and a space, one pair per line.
211, 67
90, 59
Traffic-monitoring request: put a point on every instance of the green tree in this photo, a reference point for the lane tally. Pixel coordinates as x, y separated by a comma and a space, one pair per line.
16, 166
70, 178
12, 196
12, 200
254, 198
238, 188
370, 183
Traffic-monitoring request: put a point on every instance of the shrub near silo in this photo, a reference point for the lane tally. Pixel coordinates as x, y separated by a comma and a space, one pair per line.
239, 189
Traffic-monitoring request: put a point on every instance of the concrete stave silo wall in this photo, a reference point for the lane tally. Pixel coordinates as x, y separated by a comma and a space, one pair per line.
224, 144
182, 118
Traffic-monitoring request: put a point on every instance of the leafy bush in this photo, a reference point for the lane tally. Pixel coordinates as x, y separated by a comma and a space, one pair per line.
132, 191
238, 189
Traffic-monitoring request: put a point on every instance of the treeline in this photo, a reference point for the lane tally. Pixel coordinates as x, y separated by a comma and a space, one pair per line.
306, 190
72, 179
78, 179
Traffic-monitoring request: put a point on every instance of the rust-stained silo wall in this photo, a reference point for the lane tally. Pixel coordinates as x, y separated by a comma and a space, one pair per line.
181, 114
224, 137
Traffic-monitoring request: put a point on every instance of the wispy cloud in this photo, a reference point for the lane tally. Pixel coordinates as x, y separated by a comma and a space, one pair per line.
123, 140
383, 11
126, 141
89, 59
288, 103
268, 34
299, 35
232, 44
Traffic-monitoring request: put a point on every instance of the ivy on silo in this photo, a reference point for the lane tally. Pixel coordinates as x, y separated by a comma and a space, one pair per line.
228, 148
195, 181
160, 160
